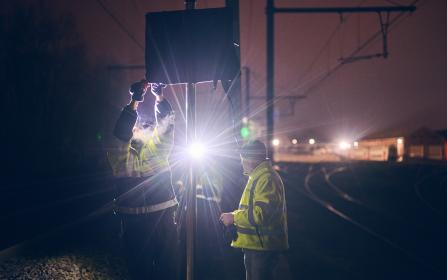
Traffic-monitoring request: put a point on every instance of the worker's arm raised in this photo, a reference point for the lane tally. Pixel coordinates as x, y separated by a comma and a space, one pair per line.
164, 116
128, 117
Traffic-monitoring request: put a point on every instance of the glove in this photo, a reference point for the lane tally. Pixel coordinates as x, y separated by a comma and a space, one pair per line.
138, 90
157, 89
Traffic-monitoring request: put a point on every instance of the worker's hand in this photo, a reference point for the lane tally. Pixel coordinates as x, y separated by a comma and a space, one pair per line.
157, 89
227, 219
138, 90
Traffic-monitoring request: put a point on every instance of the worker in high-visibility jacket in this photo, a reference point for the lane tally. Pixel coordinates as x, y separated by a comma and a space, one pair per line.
261, 220
146, 201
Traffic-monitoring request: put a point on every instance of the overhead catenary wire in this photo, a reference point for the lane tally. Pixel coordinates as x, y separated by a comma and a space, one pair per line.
326, 45
120, 24
315, 83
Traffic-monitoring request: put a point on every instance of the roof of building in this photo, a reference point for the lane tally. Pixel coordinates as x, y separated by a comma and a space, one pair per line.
421, 132
388, 133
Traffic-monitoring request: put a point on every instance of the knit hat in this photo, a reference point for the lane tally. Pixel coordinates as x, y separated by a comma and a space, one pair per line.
254, 150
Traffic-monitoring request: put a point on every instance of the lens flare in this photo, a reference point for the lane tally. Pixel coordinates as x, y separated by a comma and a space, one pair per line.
196, 150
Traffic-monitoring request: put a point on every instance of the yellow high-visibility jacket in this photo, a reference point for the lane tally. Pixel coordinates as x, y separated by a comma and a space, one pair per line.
145, 152
261, 219
139, 161
150, 159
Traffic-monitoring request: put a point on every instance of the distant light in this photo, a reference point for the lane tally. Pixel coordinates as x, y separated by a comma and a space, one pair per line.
312, 141
344, 145
356, 144
275, 142
294, 141
245, 132
400, 141
196, 151
244, 120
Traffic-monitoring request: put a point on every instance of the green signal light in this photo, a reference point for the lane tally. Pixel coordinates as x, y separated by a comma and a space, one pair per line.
245, 132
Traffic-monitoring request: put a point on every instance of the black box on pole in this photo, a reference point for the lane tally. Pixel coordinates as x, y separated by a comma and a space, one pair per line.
190, 46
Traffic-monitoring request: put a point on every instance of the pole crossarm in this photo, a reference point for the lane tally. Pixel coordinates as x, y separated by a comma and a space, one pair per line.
125, 67
290, 97
271, 10
342, 10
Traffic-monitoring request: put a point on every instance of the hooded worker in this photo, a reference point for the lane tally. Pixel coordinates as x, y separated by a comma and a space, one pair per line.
146, 201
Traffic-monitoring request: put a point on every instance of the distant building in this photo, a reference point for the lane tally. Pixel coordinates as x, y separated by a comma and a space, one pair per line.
443, 134
393, 145
422, 143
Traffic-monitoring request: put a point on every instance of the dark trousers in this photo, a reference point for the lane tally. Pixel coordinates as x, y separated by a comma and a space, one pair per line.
260, 265
150, 242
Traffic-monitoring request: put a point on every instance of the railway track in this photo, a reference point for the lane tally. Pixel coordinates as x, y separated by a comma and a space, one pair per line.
422, 183
354, 212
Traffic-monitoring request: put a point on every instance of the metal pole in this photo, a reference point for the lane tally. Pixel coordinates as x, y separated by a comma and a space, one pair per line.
270, 76
192, 186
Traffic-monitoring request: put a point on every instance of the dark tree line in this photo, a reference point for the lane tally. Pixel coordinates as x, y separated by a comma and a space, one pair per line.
51, 97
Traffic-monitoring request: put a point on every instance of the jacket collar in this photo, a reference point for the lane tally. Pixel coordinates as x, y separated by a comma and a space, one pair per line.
261, 168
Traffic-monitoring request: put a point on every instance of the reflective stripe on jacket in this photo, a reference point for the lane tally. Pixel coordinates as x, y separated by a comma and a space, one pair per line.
139, 161
261, 219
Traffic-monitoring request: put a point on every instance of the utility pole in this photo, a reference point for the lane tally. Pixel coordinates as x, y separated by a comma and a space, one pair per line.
191, 206
271, 10
270, 76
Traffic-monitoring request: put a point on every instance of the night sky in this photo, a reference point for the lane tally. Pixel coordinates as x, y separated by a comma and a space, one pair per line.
405, 91
60, 100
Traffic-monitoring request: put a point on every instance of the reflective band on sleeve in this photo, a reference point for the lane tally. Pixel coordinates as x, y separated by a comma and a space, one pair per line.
251, 218
264, 232
243, 206
212, 198
146, 209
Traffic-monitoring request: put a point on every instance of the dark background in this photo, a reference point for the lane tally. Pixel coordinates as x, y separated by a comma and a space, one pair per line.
59, 100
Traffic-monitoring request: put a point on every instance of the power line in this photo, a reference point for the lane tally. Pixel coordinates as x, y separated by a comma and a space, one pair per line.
335, 68
121, 25
325, 46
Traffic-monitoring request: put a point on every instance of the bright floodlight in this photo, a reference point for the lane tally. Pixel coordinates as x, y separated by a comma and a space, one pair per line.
196, 150
294, 141
344, 145
311, 141
400, 141
275, 142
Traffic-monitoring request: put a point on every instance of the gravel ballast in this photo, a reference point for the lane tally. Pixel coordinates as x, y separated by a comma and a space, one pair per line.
72, 265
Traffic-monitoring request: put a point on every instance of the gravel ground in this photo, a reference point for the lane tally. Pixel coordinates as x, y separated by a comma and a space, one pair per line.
72, 265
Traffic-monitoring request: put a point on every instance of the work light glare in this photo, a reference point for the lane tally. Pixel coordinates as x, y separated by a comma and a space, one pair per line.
196, 150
